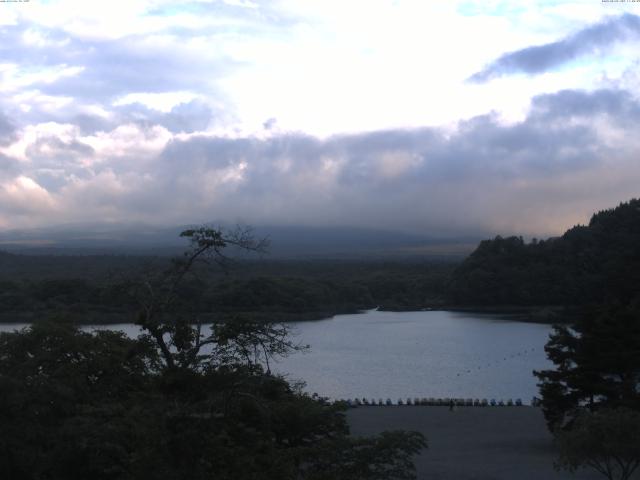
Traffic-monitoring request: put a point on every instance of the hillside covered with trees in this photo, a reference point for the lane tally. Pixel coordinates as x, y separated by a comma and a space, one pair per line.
596, 263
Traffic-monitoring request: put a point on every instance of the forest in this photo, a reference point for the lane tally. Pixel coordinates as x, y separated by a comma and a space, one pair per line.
96, 289
594, 263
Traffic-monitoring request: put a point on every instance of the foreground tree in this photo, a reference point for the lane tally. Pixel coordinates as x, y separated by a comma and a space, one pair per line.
66, 398
162, 312
178, 402
607, 441
591, 401
597, 365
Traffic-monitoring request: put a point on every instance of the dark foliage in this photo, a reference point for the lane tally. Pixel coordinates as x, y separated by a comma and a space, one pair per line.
76, 405
607, 441
178, 402
597, 364
588, 264
285, 290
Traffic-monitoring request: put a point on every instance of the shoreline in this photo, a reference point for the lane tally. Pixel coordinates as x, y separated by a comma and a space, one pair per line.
544, 314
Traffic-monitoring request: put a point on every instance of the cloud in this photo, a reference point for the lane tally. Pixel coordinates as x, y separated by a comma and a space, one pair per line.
574, 153
618, 104
270, 123
187, 117
147, 113
24, 197
7, 130
9, 167
49, 74
595, 39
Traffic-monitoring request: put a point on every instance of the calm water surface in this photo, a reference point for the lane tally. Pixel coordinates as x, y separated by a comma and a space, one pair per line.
413, 354
419, 354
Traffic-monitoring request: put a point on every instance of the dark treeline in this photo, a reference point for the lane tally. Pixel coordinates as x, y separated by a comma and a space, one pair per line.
95, 288
589, 264
596, 263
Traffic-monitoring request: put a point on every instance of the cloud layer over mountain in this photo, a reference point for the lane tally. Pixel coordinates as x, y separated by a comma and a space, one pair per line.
574, 151
285, 113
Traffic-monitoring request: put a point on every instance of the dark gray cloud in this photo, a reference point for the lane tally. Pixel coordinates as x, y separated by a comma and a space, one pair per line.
419, 179
186, 117
9, 167
57, 161
88, 124
54, 152
618, 104
485, 177
118, 67
270, 123
190, 117
7, 130
597, 38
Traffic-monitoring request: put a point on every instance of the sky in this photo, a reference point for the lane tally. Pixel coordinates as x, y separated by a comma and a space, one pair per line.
440, 118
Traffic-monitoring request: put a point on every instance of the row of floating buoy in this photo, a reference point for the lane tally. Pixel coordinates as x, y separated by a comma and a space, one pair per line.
521, 353
440, 402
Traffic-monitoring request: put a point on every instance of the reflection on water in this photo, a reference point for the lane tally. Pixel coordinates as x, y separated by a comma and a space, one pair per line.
413, 354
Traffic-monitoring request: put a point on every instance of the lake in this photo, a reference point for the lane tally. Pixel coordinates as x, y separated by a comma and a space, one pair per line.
414, 354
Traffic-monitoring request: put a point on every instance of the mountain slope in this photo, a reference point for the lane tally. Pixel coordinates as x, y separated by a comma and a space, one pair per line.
286, 241
593, 263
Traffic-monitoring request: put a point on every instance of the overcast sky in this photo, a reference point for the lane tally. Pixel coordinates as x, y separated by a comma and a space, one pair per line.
453, 117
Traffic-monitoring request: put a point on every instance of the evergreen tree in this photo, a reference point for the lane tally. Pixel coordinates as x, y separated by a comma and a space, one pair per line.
597, 364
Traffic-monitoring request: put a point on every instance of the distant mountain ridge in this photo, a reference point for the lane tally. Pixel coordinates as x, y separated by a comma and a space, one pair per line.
285, 241
593, 263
